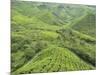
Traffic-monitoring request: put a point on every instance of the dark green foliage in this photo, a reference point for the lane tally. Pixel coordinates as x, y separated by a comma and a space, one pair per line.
81, 44
87, 25
50, 37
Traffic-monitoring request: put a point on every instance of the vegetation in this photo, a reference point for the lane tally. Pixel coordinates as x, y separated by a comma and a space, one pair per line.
51, 37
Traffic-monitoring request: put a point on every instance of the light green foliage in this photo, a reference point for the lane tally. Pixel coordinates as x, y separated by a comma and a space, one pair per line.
59, 59
50, 37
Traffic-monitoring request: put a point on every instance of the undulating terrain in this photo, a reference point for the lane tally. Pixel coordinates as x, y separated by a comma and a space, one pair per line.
51, 37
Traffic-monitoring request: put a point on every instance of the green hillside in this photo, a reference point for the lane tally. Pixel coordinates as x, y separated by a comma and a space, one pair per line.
51, 37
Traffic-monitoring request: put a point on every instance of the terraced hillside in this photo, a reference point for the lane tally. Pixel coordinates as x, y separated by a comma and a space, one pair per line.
51, 37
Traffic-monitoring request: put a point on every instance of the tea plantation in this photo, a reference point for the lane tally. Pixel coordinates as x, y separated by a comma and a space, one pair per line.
51, 37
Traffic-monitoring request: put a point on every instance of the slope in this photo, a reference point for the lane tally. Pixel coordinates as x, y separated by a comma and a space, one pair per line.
54, 59
51, 37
